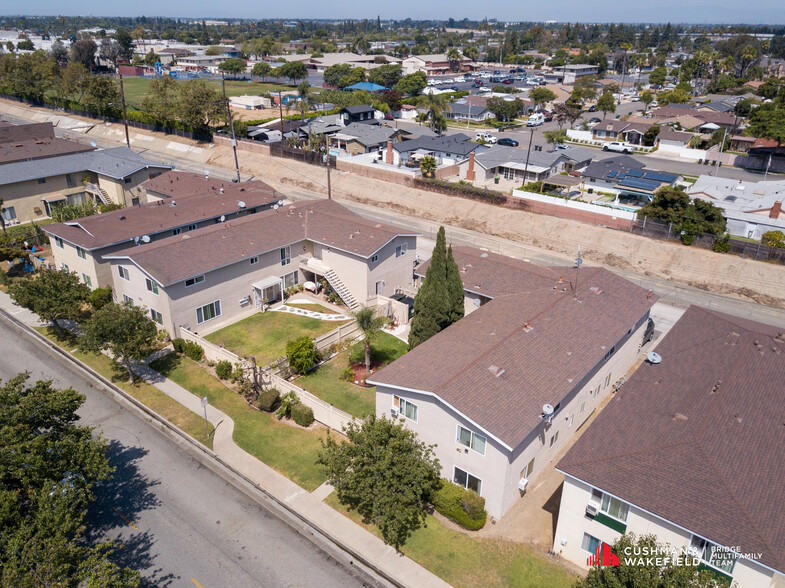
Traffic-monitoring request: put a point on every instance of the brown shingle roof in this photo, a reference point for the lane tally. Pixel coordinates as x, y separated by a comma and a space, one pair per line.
34, 141
720, 471
543, 338
177, 184
101, 230
176, 258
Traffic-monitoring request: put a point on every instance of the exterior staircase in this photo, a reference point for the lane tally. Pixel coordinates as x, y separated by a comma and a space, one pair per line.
102, 194
342, 291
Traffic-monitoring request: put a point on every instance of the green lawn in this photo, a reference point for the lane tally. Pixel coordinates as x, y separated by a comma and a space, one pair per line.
287, 448
326, 383
463, 560
265, 334
137, 88
145, 393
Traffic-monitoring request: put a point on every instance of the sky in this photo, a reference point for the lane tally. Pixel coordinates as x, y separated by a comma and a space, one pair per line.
697, 11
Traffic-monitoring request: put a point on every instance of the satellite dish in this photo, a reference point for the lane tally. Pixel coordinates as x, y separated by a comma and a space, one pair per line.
275, 207
136, 240
223, 218
145, 238
92, 143
653, 358
241, 204
547, 410
280, 203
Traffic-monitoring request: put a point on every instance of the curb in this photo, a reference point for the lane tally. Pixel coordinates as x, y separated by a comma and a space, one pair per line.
317, 535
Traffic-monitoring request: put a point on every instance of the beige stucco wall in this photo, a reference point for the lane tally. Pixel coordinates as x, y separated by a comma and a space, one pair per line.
501, 469
573, 523
98, 273
26, 197
123, 193
395, 272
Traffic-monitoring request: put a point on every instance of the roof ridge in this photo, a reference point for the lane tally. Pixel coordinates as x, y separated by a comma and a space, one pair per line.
606, 456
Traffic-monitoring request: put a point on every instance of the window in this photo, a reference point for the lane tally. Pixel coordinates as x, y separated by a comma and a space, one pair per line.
286, 255
123, 273
64, 267
86, 279
127, 180
69, 180
465, 479
471, 439
401, 250
405, 408
151, 286
42, 180
191, 227
177, 231
590, 543
9, 213
374, 258
59, 242
252, 210
195, 280
720, 558
128, 300
291, 279
527, 473
156, 316
254, 260
554, 439
81, 253
208, 312
583, 406
613, 507
610, 352
572, 416
607, 381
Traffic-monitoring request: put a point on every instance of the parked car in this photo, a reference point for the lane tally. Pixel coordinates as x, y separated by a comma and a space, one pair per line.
654, 104
459, 80
454, 88
478, 83
496, 71
592, 108
486, 137
507, 81
508, 142
561, 147
636, 98
618, 147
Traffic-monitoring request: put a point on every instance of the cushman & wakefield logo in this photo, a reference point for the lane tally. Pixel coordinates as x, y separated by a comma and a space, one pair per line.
603, 556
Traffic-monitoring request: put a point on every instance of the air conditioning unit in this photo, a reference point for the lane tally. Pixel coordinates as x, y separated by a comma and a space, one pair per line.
523, 483
394, 412
591, 510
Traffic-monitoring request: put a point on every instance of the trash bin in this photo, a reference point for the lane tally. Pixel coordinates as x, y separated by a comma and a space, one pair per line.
496, 180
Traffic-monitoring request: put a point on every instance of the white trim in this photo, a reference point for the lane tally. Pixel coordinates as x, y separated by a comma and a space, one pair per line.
447, 404
468, 473
458, 427
661, 518
139, 267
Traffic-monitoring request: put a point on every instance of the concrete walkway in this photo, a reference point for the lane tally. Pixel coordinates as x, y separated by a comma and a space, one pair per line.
322, 316
308, 505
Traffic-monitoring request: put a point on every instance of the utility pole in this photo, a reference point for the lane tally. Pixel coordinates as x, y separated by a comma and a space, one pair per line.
717, 169
767, 168
280, 108
329, 186
528, 152
125, 117
231, 125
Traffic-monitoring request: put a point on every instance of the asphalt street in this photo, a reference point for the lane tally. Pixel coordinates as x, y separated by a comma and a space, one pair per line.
175, 520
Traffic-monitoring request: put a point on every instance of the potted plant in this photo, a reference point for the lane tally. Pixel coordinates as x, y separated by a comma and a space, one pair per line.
428, 166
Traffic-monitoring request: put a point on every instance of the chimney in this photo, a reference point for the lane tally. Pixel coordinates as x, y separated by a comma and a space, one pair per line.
776, 210
389, 156
470, 171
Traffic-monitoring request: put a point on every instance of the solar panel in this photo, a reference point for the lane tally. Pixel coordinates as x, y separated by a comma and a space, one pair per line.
640, 184
635, 173
659, 176
612, 174
622, 175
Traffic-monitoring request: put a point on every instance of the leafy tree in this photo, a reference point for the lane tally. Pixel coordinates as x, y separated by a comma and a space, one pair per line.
675, 96
59, 53
100, 93
110, 51
434, 105
433, 307
32, 75
743, 108
386, 75
584, 88
83, 51
53, 295
200, 105
650, 136
334, 73
505, 109
647, 98
161, 100
370, 325
391, 98
214, 50
774, 239
124, 330
151, 58
126, 42
25, 45
384, 473
412, 84
556, 137
50, 467
657, 76
294, 70
454, 288
10, 249
233, 66
606, 104
768, 121
262, 69
566, 112
689, 217
541, 96
644, 572
302, 354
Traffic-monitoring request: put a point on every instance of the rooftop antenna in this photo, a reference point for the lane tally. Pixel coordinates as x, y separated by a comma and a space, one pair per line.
578, 262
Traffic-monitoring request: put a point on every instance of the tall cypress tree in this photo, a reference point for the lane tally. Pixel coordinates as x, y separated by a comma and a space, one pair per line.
454, 288
432, 304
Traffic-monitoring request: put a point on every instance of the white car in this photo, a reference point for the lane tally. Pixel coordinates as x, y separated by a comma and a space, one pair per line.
459, 80
618, 147
485, 75
486, 138
654, 104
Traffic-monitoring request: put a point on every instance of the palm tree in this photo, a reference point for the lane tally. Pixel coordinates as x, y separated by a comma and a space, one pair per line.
307, 99
454, 57
434, 105
370, 324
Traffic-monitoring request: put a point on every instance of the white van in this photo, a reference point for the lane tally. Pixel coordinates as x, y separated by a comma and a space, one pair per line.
535, 120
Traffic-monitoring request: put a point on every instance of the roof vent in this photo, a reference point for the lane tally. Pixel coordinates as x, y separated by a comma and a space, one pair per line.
221, 190
715, 387
527, 326
596, 289
122, 218
174, 203
496, 370
241, 204
483, 255
680, 417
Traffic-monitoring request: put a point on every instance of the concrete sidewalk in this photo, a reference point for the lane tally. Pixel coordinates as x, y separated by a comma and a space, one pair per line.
307, 505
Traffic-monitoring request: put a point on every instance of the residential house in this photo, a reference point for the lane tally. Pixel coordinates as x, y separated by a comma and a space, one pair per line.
31, 188
512, 163
359, 137
617, 130
407, 112
535, 360
435, 64
724, 120
751, 208
218, 272
467, 112
447, 149
689, 450
741, 143
670, 140
34, 141
624, 176
353, 114
271, 131
179, 203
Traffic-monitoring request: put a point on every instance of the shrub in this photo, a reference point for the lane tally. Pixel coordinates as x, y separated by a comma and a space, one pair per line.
162, 335
268, 399
774, 239
302, 415
288, 401
722, 244
179, 345
194, 351
223, 369
461, 506
347, 374
302, 354
100, 297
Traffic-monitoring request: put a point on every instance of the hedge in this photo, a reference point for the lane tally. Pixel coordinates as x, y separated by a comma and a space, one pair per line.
464, 190
194, 351
223, 369
268, 399
302, 415
464, 507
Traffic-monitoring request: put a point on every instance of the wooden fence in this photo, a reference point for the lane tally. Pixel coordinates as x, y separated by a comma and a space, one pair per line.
324, 412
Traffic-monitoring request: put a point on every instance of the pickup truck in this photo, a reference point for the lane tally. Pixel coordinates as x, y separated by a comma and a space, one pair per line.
486, 138
618, 147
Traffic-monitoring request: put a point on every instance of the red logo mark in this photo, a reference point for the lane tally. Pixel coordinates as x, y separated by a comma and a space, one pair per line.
602, 556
